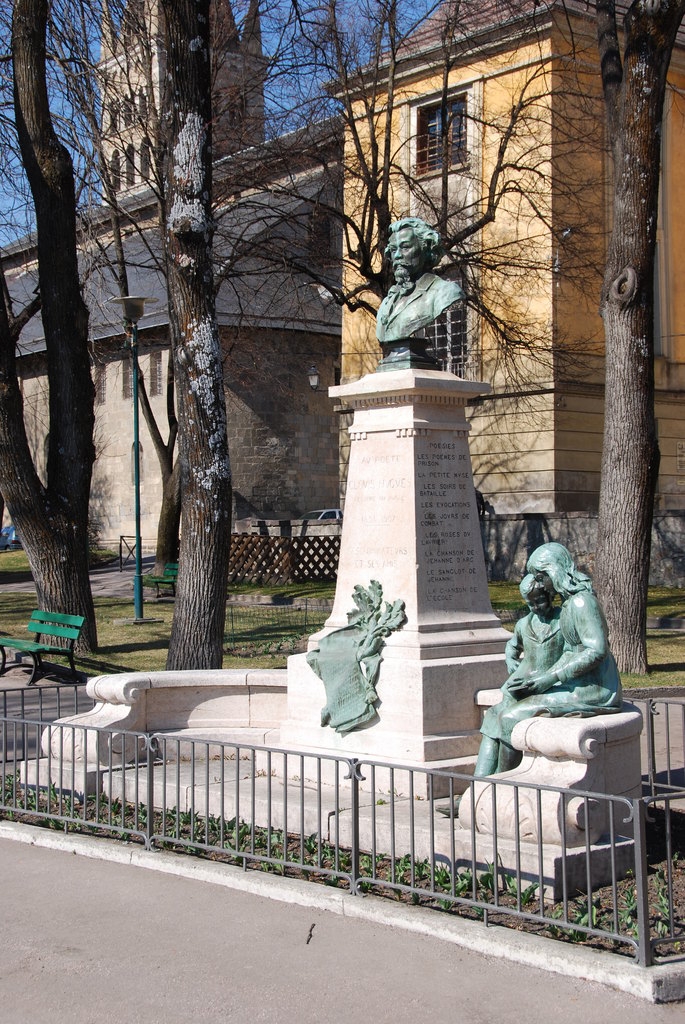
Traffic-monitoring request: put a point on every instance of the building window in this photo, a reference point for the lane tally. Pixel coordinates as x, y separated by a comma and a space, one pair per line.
130, 165
100, 381
113, 117
155, 374
145, 159
449, 340
441, 131
129, 108
320, 234
142, 104
127, 379
115, 170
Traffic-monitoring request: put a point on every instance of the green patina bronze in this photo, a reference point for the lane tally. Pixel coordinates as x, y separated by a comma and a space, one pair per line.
558, 658
348, 660
417, 298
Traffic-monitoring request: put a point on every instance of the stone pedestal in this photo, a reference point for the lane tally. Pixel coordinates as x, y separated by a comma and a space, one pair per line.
599, 755
411, 523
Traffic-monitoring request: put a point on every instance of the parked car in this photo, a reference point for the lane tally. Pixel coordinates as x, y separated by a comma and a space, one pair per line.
324, 513
9, 539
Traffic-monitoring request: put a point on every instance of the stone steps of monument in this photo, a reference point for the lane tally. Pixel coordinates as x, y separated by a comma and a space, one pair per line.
209, 743
315, 762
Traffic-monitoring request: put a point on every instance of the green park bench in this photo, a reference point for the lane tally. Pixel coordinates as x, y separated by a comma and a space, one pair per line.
45, 624
168, 579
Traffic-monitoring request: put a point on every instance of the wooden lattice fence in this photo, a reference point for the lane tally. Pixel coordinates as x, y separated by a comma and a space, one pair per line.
258, 559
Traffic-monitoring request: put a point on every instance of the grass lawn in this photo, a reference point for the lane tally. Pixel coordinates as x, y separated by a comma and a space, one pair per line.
255, 638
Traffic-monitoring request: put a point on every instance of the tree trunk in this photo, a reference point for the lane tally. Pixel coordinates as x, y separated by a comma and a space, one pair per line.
198, 626
169, 520
52, 520
630, 463
634, 94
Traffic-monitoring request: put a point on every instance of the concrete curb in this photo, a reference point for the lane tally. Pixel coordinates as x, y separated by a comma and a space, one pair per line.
661, 984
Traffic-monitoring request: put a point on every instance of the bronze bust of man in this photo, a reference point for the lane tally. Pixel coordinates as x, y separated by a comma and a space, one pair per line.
418, 296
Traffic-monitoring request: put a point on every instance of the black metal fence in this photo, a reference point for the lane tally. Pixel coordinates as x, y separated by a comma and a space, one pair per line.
664, 730
366, 826
44, 703
254, 628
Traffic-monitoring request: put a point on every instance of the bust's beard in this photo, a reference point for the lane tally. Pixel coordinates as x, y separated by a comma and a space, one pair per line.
403, 281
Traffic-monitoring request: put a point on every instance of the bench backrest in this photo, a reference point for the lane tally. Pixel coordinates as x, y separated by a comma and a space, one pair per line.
171, 569
68, 627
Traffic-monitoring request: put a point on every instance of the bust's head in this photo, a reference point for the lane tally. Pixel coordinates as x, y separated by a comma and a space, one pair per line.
413, 248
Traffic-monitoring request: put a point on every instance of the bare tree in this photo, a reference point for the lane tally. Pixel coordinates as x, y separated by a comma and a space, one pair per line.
365, 56
360, 59
116, 92
52, 518
199, 614
633, 78
166, 549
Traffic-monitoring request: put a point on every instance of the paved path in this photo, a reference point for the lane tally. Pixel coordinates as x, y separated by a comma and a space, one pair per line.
105, 581
88, 941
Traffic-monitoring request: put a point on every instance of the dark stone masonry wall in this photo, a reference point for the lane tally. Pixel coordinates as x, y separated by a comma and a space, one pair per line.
509, 539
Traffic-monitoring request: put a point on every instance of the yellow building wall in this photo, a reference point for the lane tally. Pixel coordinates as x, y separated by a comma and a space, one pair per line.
498, 83
512, 443
536, 442
671, 233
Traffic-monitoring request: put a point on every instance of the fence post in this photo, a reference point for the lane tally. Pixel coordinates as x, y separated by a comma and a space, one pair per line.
651, 751
644, 947
150, 753
355, 776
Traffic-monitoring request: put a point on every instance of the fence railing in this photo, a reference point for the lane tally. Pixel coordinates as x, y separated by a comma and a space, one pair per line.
261, 559
366, 826
664, 729
257, 558
44, 703
127, 551
267, 628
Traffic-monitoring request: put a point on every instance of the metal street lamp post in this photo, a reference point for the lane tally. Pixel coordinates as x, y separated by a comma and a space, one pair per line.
133, 308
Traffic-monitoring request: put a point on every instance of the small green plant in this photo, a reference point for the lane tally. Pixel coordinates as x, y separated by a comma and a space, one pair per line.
463, 882
487, 882
583, 912
523, 897
422, 870
663, 923
627, 911
443, 877
401, 868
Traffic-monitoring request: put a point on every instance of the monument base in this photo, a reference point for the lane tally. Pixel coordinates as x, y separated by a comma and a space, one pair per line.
544, 798
426, 715
411, 530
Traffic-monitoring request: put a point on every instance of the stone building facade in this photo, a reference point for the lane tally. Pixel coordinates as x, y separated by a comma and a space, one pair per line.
274, 325
536, 265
